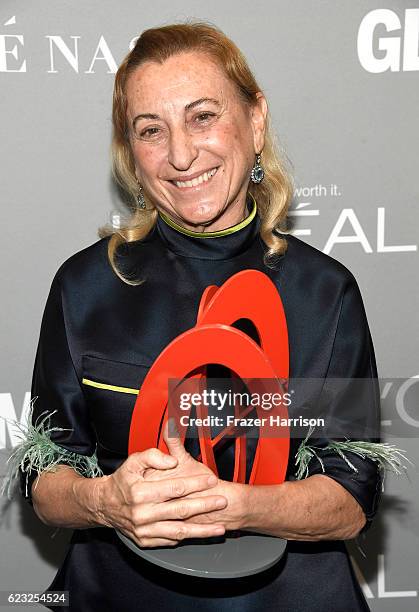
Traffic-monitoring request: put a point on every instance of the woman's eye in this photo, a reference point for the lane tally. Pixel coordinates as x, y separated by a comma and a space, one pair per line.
149, 132
202, 117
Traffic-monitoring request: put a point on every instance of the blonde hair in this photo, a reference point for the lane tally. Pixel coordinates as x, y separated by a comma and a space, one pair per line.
272, 195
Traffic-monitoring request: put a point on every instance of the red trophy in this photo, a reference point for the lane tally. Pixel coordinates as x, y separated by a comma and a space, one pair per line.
251, 295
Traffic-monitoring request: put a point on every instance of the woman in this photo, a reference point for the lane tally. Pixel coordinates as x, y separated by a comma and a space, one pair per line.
192, 144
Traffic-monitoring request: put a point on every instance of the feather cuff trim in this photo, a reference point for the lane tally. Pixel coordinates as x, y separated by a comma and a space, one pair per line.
387, 456
37, 451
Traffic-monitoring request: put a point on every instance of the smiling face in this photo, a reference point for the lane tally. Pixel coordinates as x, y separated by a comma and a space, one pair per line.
193, 140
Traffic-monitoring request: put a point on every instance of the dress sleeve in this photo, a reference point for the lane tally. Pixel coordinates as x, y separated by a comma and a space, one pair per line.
353, 408
58, 429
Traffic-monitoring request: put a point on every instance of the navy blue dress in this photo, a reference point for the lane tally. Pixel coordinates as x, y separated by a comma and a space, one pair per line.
97, 328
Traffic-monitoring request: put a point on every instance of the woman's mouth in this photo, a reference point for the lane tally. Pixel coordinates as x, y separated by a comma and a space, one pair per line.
198, 180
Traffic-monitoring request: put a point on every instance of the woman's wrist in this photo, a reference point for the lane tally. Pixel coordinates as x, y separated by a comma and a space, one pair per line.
266, 509
88, 494
255, 508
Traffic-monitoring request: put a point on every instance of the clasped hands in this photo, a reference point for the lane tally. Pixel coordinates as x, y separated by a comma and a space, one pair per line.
158, 500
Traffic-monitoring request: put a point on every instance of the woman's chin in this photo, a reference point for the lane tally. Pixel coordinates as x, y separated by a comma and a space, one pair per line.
196, 216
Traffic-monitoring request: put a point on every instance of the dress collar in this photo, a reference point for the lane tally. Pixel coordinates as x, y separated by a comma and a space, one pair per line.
222, 244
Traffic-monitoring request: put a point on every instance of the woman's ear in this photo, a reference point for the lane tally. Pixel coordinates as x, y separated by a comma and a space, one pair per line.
258, 114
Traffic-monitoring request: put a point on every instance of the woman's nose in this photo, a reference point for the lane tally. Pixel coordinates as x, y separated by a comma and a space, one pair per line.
182, 150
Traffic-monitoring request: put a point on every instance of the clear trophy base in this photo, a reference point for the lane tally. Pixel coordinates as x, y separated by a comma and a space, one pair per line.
234, 555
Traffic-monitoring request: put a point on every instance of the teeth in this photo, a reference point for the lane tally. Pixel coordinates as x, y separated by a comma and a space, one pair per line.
203, 178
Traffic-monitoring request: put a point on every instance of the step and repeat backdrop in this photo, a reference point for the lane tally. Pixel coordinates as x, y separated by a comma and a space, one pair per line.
342, 83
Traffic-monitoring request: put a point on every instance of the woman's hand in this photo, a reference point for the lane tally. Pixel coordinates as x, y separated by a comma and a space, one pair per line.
232, 515
183, 463
154, 512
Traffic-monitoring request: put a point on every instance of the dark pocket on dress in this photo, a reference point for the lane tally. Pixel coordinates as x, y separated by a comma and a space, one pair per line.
111, 389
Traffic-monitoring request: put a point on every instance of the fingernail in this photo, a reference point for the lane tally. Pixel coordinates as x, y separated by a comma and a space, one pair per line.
172, 428
212, 480
219, 530
220, 503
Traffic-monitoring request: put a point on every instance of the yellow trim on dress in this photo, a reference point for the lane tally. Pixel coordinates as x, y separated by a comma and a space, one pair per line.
99, 385
224, 232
